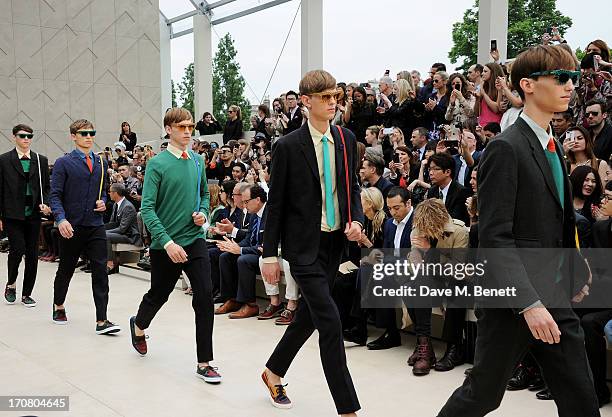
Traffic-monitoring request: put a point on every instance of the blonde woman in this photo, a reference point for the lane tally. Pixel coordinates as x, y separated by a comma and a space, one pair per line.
403, 113
433, 227
233, 126
245, 151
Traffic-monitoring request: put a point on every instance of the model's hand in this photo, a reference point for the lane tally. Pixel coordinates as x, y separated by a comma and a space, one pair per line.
543, 327
199, 219
65, 229
352, 231
100, 206
271, 273
176, 253
45, 209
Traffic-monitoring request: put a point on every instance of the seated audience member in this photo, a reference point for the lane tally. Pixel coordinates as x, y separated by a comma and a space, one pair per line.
600, 127
434, 228
437, 103
586, 190
239, 262
579, 151
238, 172
123, 225
466, 158
490, 130
453, 194
602, 229
223, 166
404, 167
130, 182
285, 313
373, 168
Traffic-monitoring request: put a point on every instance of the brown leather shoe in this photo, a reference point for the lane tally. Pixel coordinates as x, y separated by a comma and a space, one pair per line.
229, 306
271, 311
413, 358
286, 318
426, 357
246, 311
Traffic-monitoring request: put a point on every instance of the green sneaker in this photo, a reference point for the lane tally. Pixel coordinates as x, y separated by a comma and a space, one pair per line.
10, 295
28, 301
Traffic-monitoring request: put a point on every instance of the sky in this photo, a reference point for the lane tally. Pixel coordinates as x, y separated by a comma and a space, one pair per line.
361, 39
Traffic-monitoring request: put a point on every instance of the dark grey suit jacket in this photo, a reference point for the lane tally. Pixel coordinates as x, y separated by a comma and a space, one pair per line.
126, 223
522, 220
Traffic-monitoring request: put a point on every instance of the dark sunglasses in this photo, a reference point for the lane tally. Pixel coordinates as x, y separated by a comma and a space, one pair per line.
592, 113
561, 76
86, 133
25, 135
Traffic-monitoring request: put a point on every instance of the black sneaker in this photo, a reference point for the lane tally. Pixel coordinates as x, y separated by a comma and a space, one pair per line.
10, 295
209, 374
59, 316
28, 301
108, 327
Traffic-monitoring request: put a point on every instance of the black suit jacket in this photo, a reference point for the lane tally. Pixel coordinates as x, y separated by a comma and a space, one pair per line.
125, 222
391, 228
455, 200
519, 208
294, 201
294, 122
13, 185
249, 247
602, 234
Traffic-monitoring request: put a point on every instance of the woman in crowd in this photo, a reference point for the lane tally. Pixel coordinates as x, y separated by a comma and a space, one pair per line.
244, 151
508, 100
233, 126
263, 117
461, 102
208, 125
486, 98
359, 114
372, 237
422, 184
579, 150
586, 189
127, 137
403, 113
437, 102
600, 47
404, 171
340, 105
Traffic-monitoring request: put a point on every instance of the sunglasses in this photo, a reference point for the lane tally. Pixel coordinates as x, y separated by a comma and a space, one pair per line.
592, 113
231, 111
327, 96
85, 133
561, 76
184, 127
25, 135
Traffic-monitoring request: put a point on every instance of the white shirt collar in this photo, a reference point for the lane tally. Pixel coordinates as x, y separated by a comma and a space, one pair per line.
445, 189
318, 136
120, 202
21, 155
261, 210
178, 153
405, 219
542, 134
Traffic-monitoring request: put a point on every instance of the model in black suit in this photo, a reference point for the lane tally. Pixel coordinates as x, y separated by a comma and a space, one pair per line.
20, 209
525, 201
296, 210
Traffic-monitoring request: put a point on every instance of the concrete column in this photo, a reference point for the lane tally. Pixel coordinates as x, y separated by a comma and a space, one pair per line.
492, 24
166, 65
312, 35
202, 59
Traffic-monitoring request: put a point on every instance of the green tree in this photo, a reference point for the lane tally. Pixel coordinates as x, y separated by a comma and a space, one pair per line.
185, 89
173, 94
527, 21
228, 84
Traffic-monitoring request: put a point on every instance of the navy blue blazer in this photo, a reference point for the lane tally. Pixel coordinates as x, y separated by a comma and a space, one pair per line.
249, 246
390, 229
74, 190
468, 171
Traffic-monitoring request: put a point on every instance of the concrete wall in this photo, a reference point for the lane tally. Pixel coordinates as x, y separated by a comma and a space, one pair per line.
62, 60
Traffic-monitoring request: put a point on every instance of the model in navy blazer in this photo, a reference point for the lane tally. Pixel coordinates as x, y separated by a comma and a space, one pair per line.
74, 190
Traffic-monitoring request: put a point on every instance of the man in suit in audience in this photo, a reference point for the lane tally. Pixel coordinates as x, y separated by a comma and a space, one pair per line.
123, 225
466, 159
292, 120
441, 167
524, 201
314, 208
239, 262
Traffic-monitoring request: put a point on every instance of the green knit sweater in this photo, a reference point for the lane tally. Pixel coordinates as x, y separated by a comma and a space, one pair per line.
169, 198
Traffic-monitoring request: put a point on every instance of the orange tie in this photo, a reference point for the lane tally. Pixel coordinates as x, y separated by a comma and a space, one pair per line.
551, 145
89, 165
184, 155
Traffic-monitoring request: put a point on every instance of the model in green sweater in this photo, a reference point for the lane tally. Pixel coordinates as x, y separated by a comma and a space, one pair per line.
175, 206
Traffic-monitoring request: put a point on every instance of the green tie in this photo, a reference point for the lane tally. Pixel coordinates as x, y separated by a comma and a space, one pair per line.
329, 197
557, 171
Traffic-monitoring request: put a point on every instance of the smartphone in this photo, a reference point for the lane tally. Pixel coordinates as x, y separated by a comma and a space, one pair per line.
569, 135
387, 130
456, 87
493, 44
396, 158
452, 143
596, 63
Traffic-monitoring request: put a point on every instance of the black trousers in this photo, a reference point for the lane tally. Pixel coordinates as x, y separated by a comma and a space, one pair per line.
215, 276
318, 311
91, 241
503, 339
164, 274
454, 324
421, 317
593, 323
238, 276
23, 241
